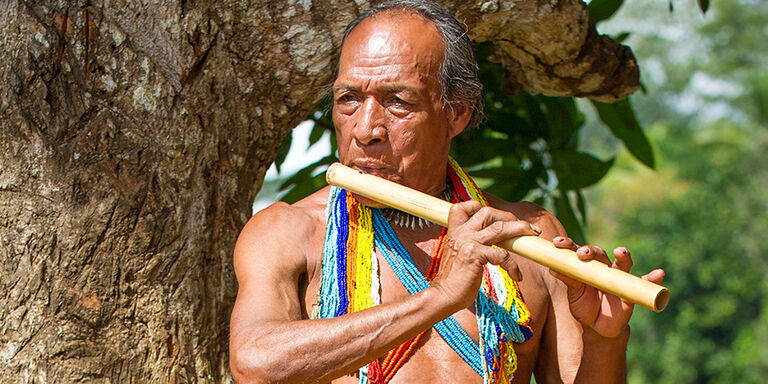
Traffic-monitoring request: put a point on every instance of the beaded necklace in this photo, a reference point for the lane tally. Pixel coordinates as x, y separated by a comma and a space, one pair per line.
350, 283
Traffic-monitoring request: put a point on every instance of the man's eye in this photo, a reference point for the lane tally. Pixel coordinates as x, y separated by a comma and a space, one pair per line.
397, 100
346, 103
398, 105
347, 97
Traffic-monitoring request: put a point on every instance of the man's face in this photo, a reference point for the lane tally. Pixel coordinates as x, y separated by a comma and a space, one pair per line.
387, 109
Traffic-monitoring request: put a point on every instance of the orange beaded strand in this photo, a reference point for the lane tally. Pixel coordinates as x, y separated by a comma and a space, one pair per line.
382, 372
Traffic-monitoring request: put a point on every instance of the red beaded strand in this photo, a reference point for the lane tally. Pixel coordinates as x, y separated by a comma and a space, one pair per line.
382, 372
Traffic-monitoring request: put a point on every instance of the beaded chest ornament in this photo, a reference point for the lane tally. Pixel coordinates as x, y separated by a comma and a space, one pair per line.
350, 283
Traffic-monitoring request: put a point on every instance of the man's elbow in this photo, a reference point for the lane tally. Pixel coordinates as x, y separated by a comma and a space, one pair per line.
250, 366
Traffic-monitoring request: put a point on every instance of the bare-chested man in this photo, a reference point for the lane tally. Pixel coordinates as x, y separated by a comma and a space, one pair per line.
400, 95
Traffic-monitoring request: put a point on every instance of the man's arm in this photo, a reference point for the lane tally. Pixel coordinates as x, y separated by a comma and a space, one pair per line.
271, 342
586, 331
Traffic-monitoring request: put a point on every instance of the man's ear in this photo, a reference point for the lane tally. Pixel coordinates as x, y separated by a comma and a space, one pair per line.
459, 118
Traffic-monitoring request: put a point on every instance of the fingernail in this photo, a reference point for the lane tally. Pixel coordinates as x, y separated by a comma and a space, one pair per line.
536, 228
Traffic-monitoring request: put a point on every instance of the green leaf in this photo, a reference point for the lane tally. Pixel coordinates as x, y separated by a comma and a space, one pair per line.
515, 189
621, 120
306, 173
533, 107
704, 6
576, 170
566, 215
483, 50
334, 143
491, 73
478, 150
282, 150
492, 76
600, 10
315, 134
563, 118
500, 173
621, 37
581, 205
510, 124
759, 94
305, 188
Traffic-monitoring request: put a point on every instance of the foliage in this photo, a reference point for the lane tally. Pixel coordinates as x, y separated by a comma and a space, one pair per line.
708, 240
600, 10
704, 215
312, 177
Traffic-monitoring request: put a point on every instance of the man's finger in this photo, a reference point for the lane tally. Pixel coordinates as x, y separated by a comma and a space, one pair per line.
622, 259
569, 281
589, 252
575, 288
502, 230
461, 212
564, 242
655, 276
486, 216
502, 257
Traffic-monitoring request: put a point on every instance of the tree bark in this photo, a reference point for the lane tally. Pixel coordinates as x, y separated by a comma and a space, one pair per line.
134, 138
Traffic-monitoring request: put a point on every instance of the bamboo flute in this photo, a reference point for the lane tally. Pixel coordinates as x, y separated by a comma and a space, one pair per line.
565, 261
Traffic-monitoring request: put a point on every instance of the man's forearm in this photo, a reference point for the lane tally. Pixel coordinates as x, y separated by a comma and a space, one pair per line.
604, 360
323, 349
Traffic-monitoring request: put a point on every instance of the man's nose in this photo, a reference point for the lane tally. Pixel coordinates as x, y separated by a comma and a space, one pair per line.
371, 126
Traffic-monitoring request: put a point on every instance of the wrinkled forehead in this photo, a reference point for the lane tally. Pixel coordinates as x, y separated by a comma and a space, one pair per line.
396, 37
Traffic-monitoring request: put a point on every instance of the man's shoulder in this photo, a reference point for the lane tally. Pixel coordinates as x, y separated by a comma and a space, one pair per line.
285, 225
532, 213
307, 212
524, 210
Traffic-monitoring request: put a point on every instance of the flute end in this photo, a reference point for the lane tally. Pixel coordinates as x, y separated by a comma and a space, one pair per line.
662, 299
330, 173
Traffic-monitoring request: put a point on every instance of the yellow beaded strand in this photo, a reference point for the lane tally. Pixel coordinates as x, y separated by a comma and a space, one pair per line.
363, 284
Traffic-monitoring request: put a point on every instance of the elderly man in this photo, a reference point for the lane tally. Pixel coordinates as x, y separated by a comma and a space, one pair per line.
335, 289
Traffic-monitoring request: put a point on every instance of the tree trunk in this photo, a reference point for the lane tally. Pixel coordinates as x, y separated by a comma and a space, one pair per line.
135, 136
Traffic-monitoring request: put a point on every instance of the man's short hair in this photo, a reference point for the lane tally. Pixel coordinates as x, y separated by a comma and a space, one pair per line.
459, 81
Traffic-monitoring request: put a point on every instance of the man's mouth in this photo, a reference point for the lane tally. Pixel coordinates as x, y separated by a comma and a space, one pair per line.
369, 168
376, 168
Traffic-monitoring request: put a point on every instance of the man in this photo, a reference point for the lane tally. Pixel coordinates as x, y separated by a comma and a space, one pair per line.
399, 97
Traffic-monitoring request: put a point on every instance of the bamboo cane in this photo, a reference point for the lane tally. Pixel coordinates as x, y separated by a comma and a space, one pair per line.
565, 261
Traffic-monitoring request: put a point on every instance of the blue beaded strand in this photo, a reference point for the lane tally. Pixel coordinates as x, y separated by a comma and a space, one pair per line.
328, 302
398, 258
341, 255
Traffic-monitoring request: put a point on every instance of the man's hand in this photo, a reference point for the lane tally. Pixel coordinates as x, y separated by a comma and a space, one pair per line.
472, 231
607, 314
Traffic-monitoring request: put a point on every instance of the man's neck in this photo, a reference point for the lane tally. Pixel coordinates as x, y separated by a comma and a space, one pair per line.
397, 218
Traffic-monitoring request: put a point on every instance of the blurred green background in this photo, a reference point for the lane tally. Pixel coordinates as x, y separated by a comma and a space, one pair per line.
677, 173
703, 213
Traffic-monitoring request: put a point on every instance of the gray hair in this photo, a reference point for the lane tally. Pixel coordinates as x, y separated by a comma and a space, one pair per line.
459, 81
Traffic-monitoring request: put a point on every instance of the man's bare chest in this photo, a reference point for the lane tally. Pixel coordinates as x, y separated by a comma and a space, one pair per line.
434, 357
